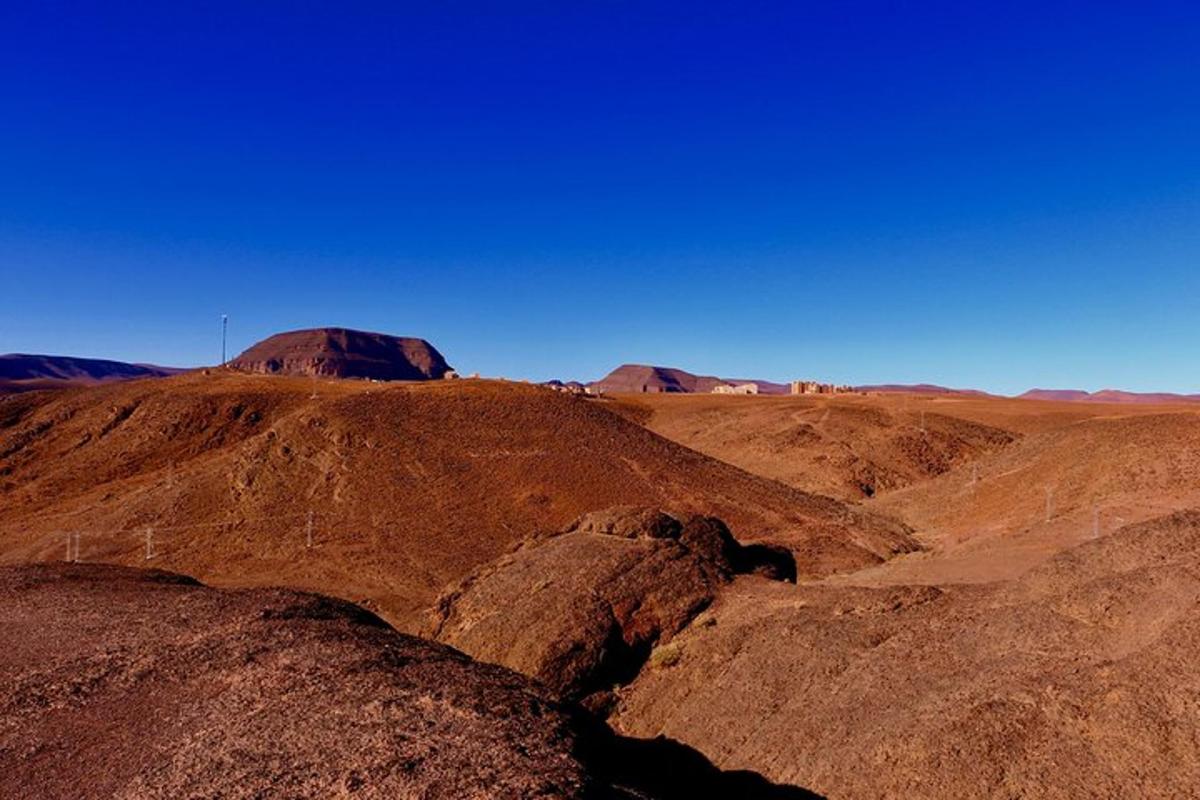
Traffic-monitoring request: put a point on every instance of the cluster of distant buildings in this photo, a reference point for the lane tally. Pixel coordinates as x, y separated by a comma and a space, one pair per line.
795, 387
813, 387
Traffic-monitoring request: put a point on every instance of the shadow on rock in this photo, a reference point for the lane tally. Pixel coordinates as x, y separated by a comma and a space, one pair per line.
664, 769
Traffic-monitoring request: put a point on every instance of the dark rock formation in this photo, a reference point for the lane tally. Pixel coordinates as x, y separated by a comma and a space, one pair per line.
342, 353
645, 379
581, 610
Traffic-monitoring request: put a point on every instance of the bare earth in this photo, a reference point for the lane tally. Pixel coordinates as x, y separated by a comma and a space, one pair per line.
993, 597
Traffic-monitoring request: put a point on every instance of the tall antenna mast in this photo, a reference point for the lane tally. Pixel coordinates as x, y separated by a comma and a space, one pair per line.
224, 328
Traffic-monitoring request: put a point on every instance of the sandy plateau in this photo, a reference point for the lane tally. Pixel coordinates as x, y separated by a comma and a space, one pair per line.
882, 595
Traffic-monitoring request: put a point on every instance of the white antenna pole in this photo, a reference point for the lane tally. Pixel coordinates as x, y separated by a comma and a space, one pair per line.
224, 328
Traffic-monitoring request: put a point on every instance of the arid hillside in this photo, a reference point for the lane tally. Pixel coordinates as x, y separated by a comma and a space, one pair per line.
1076, 680
846, 446
1056, 488
123, 683
990, 486
377, 493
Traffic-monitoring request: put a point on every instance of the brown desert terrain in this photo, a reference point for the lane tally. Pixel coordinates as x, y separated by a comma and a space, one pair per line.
124, 683
410, 485
920, 595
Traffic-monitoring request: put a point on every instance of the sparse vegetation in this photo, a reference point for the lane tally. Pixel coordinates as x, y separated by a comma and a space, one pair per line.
666, 656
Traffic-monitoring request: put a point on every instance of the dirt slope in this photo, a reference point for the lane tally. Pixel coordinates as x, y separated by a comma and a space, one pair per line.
1058, 487
411, 486
847, 447
123, 683
1076, 680
344, 353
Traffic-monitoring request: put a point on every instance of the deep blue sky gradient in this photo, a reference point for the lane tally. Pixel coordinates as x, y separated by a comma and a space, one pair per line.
997, 195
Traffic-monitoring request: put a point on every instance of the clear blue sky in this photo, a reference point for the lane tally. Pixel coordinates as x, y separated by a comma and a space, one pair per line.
997, 195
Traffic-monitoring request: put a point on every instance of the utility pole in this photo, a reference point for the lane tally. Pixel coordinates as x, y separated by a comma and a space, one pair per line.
224, 328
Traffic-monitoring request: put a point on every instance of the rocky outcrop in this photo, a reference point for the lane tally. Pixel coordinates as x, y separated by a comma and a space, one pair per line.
123, 683
646, 379
343, 353
1077, 679
582, 610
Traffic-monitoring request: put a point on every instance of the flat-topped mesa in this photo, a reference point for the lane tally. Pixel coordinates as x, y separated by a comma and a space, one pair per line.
648, 379
344, 353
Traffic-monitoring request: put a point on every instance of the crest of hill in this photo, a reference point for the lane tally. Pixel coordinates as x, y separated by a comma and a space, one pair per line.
412, 485
344, 353
647, 379
25, 371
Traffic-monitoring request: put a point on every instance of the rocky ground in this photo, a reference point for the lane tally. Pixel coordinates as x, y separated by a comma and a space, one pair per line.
1008, 612
122, 683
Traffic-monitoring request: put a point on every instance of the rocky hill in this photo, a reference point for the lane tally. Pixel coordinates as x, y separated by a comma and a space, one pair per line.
645, 379
410, 486
1077, 680
123, 683
583, 609
343, 353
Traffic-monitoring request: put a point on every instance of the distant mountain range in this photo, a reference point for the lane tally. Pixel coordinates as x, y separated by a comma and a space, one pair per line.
644, 378
917, 388
345, 353
1108, 396
20, 372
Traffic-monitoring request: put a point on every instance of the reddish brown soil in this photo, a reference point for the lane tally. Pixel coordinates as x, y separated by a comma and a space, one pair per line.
411, 485
849, 446
1041, 644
